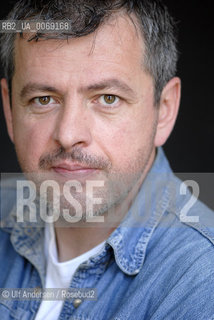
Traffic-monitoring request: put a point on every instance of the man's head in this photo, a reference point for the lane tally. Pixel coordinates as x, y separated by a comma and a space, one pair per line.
86, 16
92, 105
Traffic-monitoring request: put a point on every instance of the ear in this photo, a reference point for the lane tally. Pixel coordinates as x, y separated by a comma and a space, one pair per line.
168, 110
7, 107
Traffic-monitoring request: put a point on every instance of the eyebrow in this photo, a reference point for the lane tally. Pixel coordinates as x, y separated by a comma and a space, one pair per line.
33, 87
112, 84
102, 85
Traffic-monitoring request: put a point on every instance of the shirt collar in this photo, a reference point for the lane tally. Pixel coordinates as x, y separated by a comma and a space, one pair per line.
129, 241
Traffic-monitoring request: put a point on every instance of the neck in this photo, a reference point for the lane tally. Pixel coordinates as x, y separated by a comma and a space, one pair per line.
78, 239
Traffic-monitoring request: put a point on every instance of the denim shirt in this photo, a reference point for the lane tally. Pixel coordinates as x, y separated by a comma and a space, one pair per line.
153, 266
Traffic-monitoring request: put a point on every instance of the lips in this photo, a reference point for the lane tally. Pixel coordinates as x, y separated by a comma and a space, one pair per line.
73, 171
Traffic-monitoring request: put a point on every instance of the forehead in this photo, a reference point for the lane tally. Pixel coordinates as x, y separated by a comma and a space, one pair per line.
118, 37
115, 50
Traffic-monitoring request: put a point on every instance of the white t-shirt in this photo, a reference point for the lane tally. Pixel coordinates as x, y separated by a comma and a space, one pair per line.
59, 274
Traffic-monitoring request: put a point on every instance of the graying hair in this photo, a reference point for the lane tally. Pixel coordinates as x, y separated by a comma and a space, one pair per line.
158, 29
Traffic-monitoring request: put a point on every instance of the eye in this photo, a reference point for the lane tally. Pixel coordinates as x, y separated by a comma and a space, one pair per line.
44, 101
108, 99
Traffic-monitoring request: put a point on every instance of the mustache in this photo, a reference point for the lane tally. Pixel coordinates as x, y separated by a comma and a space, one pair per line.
76, 155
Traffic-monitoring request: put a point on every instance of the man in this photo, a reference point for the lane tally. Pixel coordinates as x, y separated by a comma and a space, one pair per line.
88, 111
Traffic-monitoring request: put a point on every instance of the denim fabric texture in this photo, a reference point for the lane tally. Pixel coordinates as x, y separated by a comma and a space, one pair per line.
153, 267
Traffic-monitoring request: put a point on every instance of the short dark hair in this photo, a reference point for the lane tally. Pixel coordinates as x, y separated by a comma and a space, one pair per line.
85, 16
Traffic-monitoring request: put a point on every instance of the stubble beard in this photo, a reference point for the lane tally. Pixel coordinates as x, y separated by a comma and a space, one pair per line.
117, 183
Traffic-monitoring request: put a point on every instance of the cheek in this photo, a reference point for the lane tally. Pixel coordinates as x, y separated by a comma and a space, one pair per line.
31, 141
128, 139
123, 140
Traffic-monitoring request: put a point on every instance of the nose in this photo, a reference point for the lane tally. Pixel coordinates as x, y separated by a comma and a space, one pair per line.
73, 126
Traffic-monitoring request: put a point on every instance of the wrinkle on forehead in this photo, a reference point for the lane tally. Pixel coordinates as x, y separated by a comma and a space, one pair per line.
124, 28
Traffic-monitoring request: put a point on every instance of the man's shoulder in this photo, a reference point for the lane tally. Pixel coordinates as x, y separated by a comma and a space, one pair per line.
188, 241
8, 195
176, 279
192, 217
187, 224
8, 255
173, 203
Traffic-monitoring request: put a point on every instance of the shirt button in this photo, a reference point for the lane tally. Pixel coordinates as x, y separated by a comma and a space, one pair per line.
77, 303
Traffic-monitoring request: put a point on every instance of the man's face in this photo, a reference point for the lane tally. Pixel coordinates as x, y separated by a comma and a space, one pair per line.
83, 109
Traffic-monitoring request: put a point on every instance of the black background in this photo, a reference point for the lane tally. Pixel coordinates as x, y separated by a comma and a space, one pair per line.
190, 147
